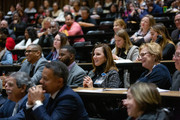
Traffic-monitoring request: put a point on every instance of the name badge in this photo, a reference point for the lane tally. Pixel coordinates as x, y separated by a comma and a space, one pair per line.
99, 81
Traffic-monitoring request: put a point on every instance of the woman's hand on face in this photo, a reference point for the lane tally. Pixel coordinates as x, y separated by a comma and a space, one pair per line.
87, 82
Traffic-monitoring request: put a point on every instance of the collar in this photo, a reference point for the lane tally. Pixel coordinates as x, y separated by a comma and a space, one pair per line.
71, 65
54, 95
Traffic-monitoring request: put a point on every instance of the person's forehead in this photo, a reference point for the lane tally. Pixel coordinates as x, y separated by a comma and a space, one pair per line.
177, 16
11, 80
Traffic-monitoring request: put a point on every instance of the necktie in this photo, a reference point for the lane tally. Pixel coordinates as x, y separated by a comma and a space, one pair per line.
49, 105
32, 71
15, 109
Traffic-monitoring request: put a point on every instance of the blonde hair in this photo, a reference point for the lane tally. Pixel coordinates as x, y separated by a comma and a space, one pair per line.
154, 49
146, 95
127, 43
110, 65
48, 19
121, 23
151, 20
161, 29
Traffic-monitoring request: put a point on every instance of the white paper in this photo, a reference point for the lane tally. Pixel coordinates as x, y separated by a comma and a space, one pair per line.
96, 90
162, 90
123, 61
112, 89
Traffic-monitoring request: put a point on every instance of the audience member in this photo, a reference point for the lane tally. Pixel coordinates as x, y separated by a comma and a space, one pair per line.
123, 47
97, 9
17, 85
56, 10
47, 5
72, 28
30, 8
59, 41
76, 73
76, 7
176, 76
9, 40
38, 22
46, 40
105, 74
175, 35
5, 55
61, 18
19, 9
12, 10
85, 3
144, 103
118, 25
48, 13
113, 12
143, 34
4, 24
34, 63
153, 8
107, 6
45, 30
3, 98
40, 12
17, 25
150, 55
30, 37
62, 103
158, 35
85, 20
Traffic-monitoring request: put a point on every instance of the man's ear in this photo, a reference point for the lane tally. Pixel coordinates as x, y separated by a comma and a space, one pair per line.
38, 53
60, 81
23, 88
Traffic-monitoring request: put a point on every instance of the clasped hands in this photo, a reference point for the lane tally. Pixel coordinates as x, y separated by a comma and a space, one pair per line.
35, 93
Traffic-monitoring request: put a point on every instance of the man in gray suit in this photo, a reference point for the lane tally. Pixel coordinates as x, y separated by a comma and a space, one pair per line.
76, 73
34, 63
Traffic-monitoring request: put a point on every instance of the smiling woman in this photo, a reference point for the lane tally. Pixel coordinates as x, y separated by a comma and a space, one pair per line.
143, 103
105, 73
150, 55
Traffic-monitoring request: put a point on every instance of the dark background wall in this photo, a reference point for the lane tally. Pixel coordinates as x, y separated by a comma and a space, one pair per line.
5, 4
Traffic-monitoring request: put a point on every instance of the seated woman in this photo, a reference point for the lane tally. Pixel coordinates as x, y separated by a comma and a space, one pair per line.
143, 34
5, 55
118, 25
160, 35
105, 73
59, 41
143, 103
124, 48
30, 38
150, 55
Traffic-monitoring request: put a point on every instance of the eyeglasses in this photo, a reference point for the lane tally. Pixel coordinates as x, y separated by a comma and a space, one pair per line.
143, 54
176, 55
28, 51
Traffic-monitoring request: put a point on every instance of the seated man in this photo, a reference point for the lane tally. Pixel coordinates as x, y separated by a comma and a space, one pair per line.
76, 73
176, 76
85, 20
34, 64
63, 102
175, 35
17, 85
72, 28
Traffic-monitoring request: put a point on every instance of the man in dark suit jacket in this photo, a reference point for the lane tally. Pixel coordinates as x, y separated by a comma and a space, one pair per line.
35, 63
63, 103
175, 35
17, 85
76, 73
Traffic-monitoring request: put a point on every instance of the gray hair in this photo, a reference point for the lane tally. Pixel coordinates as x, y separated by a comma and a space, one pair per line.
178, 44
22, 78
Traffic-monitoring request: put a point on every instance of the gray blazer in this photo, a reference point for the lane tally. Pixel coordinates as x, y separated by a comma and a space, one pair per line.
76, 75
26, 67
176, 81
